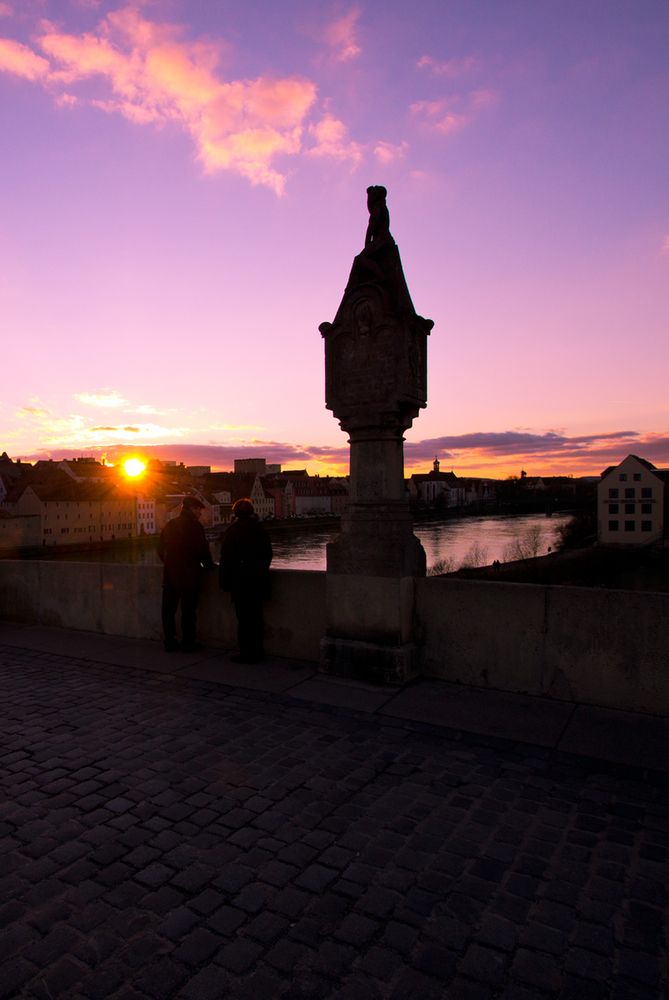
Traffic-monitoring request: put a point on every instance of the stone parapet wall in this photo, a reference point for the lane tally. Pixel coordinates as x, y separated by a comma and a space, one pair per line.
579, 644
600, 647
124, 599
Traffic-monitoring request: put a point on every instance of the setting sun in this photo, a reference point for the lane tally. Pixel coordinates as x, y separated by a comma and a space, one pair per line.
133, 467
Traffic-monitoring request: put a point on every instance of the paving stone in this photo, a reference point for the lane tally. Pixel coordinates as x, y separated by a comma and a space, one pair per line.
267, 927
212, 983
437, 962
413, 983
162, 978
641, 968
536, 969
275, 849
178, 923
226, 920
315, 878
61, 977
197, 947
15, 973
253, 897
239, 956
484, 965
357, 930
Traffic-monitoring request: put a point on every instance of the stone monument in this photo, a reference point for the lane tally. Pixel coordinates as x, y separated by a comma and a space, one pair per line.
375, 384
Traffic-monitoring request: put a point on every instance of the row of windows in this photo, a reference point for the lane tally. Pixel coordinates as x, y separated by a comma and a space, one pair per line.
630, 508
623, 477
107, 527
69, 503
630, 525
630, 493
90, 516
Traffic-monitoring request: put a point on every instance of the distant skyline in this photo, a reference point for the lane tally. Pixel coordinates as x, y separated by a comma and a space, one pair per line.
182, 192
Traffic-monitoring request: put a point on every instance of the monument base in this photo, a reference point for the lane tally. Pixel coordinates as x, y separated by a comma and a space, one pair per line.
370, 630
369, 661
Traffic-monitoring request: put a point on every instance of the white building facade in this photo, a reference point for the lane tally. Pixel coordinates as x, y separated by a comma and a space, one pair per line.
631, 503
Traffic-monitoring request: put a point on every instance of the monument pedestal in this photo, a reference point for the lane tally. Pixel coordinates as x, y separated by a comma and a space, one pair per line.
370, 628
376, 384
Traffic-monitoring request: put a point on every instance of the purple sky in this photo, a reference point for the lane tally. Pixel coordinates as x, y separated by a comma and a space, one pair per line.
183, 191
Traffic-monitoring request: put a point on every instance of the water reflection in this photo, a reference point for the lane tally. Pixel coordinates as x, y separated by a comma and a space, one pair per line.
453, 541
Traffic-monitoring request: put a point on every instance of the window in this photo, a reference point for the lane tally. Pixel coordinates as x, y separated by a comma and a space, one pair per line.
629, 508
629, 525
613, 508
636, 477
613, 494
646, 508
647, 491
630, 492
646, 525
623, 477
613, 525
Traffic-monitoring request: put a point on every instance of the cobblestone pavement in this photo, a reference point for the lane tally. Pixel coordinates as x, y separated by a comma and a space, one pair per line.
164, 837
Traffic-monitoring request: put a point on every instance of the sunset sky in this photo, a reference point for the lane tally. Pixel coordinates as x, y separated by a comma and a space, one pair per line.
182, 188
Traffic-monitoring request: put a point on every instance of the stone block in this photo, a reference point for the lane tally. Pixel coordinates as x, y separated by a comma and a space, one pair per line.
380, 664
373, 609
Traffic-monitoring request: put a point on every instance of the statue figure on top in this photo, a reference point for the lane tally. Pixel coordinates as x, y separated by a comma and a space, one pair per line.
378, 230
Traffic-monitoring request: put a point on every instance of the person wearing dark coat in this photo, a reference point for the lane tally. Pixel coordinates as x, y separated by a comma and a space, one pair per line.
246, 554
184, 551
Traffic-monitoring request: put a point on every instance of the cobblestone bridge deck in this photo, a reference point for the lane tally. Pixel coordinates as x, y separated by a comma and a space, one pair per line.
176, 827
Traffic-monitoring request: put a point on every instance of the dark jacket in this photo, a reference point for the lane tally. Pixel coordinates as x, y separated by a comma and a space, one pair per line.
246, 554
184, 550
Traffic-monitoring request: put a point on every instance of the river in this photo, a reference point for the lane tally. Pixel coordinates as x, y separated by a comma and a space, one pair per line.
448, 544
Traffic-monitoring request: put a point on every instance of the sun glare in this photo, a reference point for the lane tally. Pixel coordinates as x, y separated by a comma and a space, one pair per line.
133, 467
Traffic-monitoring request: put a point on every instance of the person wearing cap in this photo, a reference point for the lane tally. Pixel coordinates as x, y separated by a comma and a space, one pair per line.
246, 554
184, 551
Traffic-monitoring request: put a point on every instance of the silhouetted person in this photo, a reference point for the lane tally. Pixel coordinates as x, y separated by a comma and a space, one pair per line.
184, 550
246, 554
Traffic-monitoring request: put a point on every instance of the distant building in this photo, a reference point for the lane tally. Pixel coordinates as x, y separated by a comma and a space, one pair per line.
436, 488
147, 523
631, 503
85, 470
71, 512
246, 466
18, 531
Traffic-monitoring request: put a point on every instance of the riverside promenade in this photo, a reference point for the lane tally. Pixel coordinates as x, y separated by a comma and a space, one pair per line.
175, 825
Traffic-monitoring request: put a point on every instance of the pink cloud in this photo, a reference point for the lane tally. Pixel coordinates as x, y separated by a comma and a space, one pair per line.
665, 245
331, 139
449, 68
388, 152
340, 36
21, 61
449, 115
156, 76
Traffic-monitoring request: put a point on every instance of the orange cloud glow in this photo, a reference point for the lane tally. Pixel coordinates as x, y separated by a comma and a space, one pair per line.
330, 136
21, 61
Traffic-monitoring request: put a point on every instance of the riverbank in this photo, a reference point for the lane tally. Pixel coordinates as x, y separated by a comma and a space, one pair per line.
607, 566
